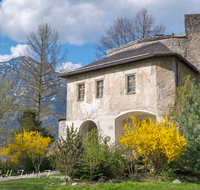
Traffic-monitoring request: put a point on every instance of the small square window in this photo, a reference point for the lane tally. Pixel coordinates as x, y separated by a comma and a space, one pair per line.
131, 84
100, 88
81, 91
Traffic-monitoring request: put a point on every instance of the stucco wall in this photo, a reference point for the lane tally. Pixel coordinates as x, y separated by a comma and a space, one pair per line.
184, 70
62, 128
166, 84
115, 99
155, 90
156, 81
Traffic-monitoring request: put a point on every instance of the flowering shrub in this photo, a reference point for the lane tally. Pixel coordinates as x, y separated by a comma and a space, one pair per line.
156, 143
28, 143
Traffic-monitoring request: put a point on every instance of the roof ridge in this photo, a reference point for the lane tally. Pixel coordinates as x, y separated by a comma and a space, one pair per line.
140, 41
89, 65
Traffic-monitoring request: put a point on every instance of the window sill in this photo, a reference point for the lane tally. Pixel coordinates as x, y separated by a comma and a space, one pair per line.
80, 100
99, 97
130, 93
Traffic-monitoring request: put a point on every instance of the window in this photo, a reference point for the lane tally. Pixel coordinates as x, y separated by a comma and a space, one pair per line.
99, 88
81, 91
131, 84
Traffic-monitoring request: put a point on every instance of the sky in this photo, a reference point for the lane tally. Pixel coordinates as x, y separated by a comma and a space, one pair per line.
80, 23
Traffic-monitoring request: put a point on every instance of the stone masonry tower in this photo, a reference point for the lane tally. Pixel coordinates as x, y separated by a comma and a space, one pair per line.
192, 33
187, 45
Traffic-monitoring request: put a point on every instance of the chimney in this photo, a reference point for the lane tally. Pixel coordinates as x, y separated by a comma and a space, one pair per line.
192, 24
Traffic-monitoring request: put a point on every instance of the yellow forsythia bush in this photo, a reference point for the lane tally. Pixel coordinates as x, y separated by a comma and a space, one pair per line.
30, 143
156, 143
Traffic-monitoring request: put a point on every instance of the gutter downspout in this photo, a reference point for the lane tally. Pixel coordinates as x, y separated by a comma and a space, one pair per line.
177, 79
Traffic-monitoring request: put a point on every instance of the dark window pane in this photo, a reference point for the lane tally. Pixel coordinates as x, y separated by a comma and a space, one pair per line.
130, 78
129, 89
133, 77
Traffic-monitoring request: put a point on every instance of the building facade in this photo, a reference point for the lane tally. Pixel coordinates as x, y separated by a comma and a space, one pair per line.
139, 78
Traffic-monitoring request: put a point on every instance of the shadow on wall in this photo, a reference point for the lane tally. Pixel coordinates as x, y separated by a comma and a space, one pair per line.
122, 119
86, 127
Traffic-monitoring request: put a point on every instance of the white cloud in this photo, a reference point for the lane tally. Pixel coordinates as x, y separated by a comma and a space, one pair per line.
81, 21
69, 66
15, 52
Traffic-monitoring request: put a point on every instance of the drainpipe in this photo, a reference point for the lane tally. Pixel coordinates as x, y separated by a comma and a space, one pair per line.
177, 73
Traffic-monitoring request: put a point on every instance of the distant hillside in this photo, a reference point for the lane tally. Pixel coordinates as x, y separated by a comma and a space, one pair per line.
8, 68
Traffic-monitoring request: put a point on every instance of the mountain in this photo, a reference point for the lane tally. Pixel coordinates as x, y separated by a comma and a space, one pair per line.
8, 70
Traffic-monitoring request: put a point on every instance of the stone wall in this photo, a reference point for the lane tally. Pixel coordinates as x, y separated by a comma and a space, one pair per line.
186, 45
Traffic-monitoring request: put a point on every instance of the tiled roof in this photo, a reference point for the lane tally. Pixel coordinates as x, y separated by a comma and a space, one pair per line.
149, 39
144, 52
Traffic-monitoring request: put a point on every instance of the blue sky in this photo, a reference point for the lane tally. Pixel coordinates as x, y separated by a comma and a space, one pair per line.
80, 23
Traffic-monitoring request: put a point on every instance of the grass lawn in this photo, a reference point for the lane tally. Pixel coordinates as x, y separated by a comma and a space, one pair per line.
55, 183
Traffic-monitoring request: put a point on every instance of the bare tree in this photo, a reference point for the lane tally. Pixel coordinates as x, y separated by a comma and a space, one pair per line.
37, 70
126, 30
144, 25
121, 32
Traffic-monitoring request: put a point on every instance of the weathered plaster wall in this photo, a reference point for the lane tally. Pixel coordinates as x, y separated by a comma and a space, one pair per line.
184, 70
156, 81
166, 84
62, 128
115, 99
169, 70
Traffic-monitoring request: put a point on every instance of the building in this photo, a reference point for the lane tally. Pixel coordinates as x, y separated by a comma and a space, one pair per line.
139, 78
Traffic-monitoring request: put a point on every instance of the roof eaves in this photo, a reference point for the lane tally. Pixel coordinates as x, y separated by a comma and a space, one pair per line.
134, 58
179, 56
107, 64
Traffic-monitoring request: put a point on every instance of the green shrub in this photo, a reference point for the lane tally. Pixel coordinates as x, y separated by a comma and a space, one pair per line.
186, 113
67, 153
100, 158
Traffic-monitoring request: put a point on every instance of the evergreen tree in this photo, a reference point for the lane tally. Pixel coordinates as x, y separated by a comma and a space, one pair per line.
28, 121
67, 153
187, 114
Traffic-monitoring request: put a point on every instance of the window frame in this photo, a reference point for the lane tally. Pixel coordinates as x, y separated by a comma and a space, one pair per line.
96, 87
78, 91
127, 83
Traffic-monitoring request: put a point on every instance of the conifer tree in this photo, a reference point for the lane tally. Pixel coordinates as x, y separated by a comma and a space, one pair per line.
186, 113
28, 121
